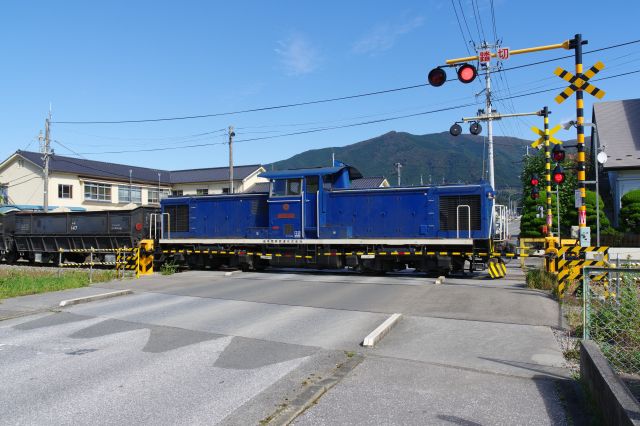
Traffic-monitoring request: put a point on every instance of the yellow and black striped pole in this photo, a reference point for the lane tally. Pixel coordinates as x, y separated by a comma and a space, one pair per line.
547, 169
577, 43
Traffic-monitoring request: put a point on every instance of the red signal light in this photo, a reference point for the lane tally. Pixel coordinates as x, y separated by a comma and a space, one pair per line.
437, 77
535, 180
558, 154
558, 175
535, 193
467, 73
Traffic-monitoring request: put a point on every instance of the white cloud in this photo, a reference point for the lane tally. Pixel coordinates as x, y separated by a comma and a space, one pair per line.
297, 55
384, 36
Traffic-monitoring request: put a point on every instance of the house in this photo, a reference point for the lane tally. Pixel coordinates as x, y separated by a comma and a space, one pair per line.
215, 180
81, 184
618, 135
360, 183
370, 182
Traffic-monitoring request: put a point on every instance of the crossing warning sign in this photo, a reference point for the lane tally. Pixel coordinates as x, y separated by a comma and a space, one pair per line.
579, 82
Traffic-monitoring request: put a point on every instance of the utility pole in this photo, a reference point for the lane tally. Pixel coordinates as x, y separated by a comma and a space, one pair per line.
46, 151
487, 89
231, 135
399, 169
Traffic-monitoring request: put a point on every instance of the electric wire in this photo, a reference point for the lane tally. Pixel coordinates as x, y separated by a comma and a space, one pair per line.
363, 123
320, 101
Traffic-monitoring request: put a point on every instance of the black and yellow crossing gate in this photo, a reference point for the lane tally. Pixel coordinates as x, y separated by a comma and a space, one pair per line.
570, 260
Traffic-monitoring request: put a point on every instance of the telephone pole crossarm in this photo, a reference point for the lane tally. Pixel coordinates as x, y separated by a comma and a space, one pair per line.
486, 117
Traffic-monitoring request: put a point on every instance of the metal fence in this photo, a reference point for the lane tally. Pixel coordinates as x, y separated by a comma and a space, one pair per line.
611, 315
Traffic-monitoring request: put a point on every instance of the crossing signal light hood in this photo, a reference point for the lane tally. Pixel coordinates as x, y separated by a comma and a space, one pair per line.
475, 128
558, 154
437, 77
535, 193
558, 175
467, 73
535, 180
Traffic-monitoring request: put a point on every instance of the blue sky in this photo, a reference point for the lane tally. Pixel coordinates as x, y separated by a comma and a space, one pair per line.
123, 60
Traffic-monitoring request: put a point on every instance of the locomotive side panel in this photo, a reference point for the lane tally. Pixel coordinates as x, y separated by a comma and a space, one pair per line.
381, 214
217, 216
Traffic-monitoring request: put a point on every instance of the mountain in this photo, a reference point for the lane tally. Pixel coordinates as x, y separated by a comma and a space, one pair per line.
435, 156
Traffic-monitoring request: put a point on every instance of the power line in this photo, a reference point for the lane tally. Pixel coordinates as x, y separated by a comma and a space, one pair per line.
320, 101
363, 123
466, 24
464, 39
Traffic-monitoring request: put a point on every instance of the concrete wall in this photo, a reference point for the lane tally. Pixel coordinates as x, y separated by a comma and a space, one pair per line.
617, 404
25, 184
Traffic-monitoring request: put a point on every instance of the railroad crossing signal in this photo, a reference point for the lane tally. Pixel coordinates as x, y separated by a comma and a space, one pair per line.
540, 133
579, 82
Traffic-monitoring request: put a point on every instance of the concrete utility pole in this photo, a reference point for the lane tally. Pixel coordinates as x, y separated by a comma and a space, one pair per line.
399, 169
46, 151
487, 90
231, 135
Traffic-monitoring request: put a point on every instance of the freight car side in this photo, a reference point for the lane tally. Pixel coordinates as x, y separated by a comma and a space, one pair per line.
39, 237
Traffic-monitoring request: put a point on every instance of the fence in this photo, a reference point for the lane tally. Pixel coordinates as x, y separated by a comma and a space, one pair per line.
611, 318
122, 259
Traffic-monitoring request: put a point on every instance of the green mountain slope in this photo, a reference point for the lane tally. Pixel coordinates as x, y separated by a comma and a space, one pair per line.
434, 156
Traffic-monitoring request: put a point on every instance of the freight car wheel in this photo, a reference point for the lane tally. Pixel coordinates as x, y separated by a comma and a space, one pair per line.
11, 256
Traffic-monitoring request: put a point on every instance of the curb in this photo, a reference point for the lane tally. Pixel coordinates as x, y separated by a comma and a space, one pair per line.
102, 296
376, 335
311, 395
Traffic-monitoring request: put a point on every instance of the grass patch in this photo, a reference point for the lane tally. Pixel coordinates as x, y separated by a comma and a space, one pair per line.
541, 280
168, 268
15, 283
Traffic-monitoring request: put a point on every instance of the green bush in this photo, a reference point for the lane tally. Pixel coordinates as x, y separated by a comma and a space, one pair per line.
630, 212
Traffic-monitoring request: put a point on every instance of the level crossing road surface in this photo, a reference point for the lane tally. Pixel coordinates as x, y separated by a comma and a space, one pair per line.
206, 347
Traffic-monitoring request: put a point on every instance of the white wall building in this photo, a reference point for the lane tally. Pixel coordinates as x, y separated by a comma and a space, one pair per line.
78, 184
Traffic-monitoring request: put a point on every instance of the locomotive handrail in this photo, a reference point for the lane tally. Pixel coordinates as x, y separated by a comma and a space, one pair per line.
153, 225
458, 219
501, 216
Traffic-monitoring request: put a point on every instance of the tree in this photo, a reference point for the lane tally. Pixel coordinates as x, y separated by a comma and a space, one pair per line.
630, 212
529, 226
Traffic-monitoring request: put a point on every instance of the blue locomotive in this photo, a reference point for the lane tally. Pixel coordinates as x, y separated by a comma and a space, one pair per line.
312, 218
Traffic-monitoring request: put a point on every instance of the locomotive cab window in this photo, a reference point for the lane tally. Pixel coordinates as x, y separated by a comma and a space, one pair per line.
312, 184
286, 187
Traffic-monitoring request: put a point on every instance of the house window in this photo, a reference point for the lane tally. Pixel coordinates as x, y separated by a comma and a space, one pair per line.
153, 196
225, 190
177, 193
97, 191
4, 194
202, 191
125, 190
65, 191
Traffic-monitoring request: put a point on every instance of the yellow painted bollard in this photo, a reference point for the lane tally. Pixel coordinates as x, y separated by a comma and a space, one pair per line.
145, 258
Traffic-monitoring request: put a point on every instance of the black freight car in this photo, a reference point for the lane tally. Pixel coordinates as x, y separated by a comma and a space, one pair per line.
39, 237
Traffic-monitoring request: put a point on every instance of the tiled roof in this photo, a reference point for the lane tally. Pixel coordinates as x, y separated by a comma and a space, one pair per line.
367, 182
82, 167
99, 169
619, 132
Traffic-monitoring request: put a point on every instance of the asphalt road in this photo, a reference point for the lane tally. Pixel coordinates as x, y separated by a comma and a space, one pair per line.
205, 348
